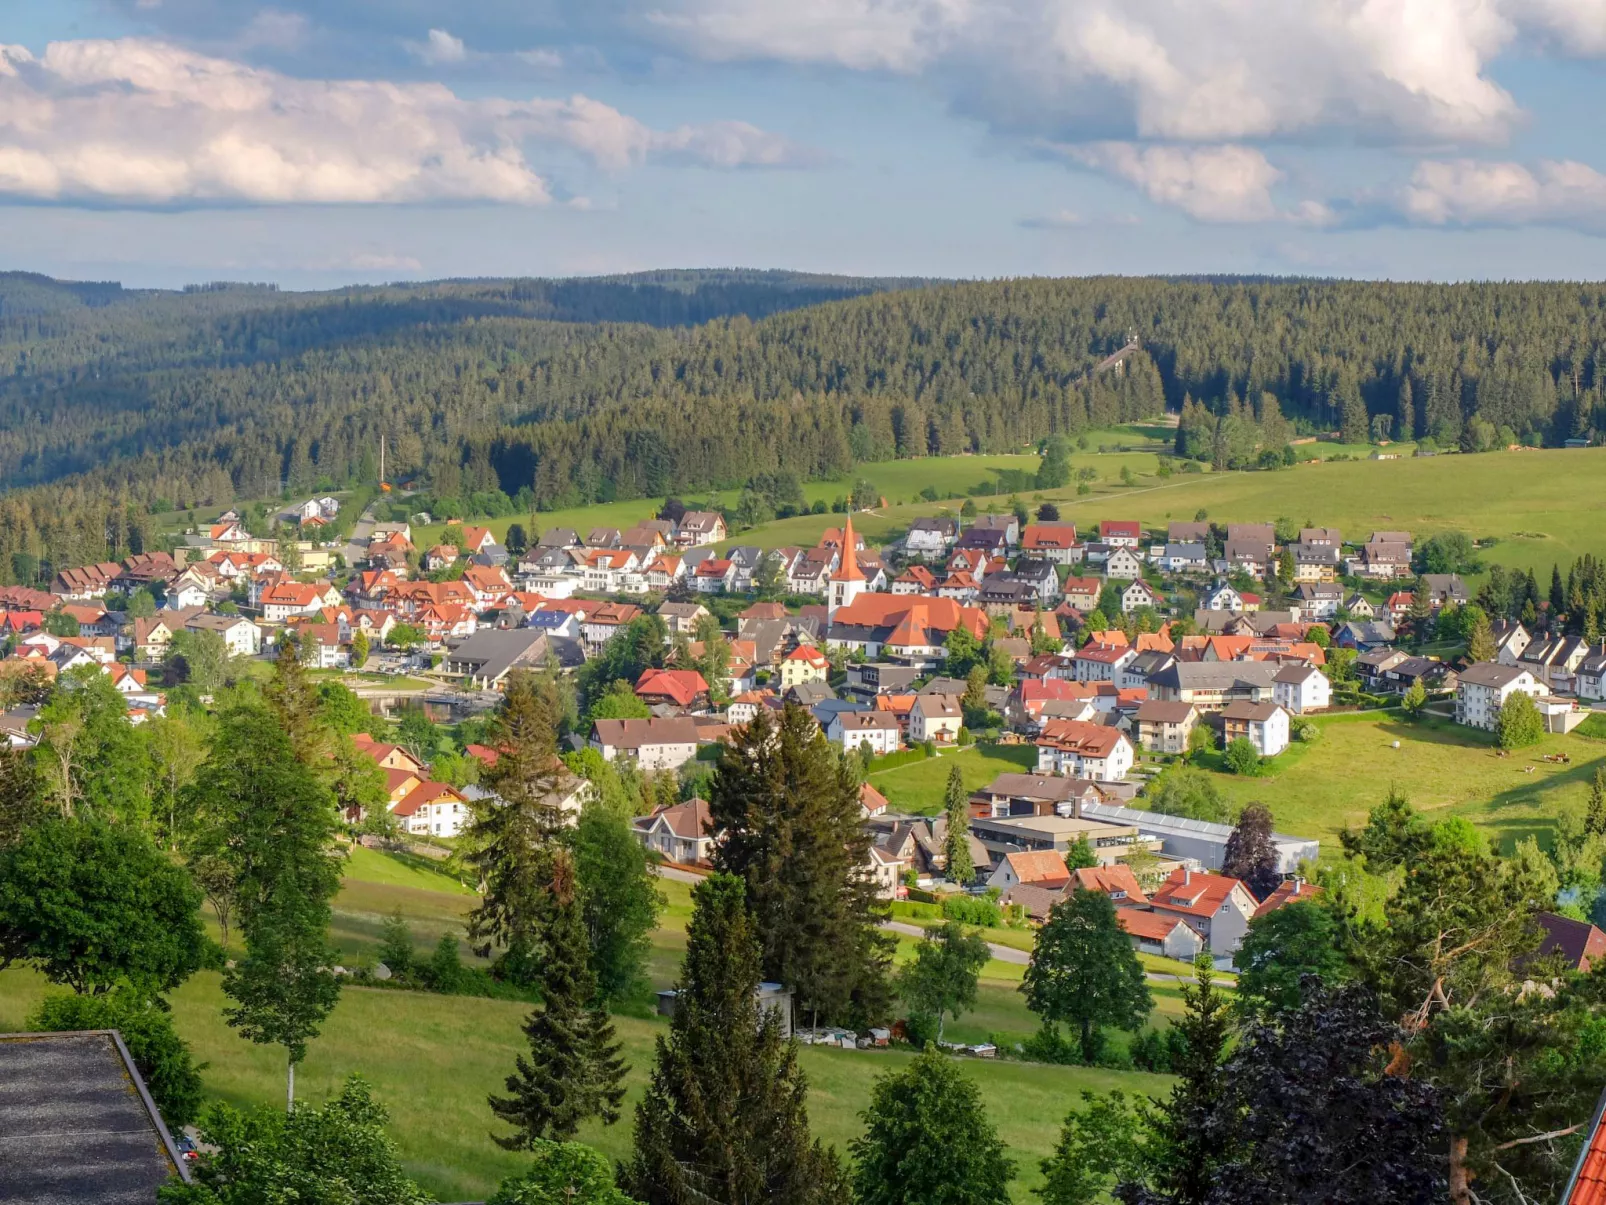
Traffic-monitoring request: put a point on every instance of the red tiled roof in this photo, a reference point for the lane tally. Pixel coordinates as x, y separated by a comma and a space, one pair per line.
1195, 894
1039, 866
1154, 926
1287, 892
423, 793
1110, 880
1588, 1183
1080, 737
679, 686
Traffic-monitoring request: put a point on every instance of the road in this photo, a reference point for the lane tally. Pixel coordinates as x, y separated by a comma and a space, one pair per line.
356, 548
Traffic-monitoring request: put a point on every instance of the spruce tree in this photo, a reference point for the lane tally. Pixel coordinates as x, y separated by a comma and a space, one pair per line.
573, 1071
1480, 639
512, 841
724, 1118
956, 805
294, 700
1184, 1151
789, 809
1595, 813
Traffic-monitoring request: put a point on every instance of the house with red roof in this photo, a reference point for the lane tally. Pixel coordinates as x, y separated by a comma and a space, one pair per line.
1080, 749
805, 663
1053, 542
1218, 908
1044, 868
1121, 533
1291, 891
678, 690
1161, 933
433, 809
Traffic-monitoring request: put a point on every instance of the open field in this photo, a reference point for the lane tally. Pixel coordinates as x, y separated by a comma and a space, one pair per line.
1441, 767
919, 786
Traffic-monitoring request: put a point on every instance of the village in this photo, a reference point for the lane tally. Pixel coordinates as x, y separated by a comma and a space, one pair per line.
1026, 634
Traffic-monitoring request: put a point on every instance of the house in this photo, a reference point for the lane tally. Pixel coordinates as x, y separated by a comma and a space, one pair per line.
1139, 595
1114, 880
681, 617
1511, 640
1219, 909
1036, 868
1484, 688
1187, 532
683, 834
487, 657
1012, 794
675, 689
655, 744
1317, 601
1096, 662
1212, 685
152, 636
1263, 725
1122, 564
1360, 607
805, 663
1184, 558
240, 636
1578, 943
1161, 933
1079, 749
1082, 592
1589, 680
699, 527
855, 729
1433, 675
1162, 727
1006, 525
1052, 542
931, 537
1040, 576
1554, 659
885, 870
935, 718
908, 629
288, 599
1221, 597
321, 646
866, 679
1289, 891
1364, 635
1381, 560
713, 575
1121, 533
387, 756
1301, 688
1247, 556
433, 809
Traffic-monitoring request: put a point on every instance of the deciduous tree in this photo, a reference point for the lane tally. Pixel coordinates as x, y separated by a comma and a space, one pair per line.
1250, 854
1085, 973
941, 980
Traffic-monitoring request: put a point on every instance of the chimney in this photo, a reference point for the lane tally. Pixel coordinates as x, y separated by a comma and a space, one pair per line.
1298, 883
1187, 875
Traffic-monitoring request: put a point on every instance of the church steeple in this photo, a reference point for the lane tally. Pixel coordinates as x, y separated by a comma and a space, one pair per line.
847, 581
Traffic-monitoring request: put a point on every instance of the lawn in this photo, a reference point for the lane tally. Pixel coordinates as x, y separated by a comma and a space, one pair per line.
1441, 767
919, 786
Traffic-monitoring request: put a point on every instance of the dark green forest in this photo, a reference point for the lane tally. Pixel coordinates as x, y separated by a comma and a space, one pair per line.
122, 402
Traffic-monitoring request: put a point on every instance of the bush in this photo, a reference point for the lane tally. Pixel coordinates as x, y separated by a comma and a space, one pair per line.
913, 909
1307, 731
971, 910
1241, 757
1520, 724
1049, 1045
163, 1059
445, 972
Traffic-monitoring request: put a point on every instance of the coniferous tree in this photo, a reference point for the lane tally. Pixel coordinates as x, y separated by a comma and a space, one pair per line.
294, 700
725, 1118
789, 811
512, 841
1184, 1149
961, 868
573, 1071
1480, 639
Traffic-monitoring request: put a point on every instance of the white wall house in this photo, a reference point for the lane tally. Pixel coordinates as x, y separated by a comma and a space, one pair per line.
1301, 689
1484, 688
853, 729
935, 718
1123, 564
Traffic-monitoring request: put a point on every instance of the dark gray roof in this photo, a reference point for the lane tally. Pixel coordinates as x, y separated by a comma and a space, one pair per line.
76, 1123
492, 652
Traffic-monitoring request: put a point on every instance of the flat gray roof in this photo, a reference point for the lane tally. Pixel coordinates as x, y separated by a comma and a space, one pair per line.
76, 1124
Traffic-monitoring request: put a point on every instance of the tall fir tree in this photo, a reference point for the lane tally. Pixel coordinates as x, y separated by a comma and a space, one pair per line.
725, 1117
512, 842
956, 843
294, 700
574, 1071
789, 811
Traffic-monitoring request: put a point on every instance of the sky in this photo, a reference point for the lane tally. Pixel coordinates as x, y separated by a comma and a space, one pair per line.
321, 142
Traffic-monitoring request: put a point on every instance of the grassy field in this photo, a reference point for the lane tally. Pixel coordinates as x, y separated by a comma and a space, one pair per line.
1443, 768
919, 786
433, 1059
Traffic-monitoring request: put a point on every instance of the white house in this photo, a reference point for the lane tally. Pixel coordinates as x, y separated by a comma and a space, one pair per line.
433, 809
1222, 598
656, 744
1184, 558
1038, 867
1301, 688
240, 635
1484, 688
184, 595
1139, 595
931, 537
1101, 662
935, 718
1263, 725
683, 833
1123, 564
1079, 749
1591, 677
853, 729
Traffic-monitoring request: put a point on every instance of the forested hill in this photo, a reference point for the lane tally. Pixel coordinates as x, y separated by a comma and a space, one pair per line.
580, 390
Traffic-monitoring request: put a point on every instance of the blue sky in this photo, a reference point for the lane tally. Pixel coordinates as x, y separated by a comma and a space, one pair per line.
316, 142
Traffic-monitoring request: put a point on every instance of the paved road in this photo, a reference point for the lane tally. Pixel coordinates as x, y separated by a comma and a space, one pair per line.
357, 546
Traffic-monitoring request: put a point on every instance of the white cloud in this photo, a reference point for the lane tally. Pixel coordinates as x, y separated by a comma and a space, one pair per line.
544, 60
439, 47
1466, 192
144, 122
1209, 184
1190, 70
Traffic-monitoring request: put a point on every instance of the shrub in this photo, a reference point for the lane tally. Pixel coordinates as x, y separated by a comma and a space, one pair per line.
971, 910
1520, 724
1241, 757
1049, 1045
